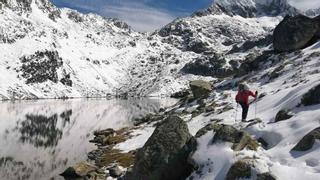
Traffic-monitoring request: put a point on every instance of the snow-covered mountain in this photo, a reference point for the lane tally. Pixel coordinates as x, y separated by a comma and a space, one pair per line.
50, 52
313, 12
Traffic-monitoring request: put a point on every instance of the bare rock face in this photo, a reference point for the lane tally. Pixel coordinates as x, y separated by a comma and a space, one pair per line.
165, 154
41, 66
312, 97
295, 33
307, 142
212, 65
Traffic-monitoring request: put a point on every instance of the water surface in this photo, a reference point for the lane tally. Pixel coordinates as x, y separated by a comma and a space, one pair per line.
39, 139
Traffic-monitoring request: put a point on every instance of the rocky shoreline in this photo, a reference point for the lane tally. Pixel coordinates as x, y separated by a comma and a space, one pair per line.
170, 140
167, 154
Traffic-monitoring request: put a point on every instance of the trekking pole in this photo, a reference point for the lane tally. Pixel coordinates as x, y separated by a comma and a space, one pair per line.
235, 118
255, 109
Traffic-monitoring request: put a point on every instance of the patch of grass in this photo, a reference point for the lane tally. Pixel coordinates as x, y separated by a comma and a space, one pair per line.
116, 156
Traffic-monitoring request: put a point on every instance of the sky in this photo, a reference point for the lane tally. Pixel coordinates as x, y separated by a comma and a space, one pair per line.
149, 15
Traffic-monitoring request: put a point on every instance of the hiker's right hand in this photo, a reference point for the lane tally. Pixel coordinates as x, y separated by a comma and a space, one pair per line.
256, 93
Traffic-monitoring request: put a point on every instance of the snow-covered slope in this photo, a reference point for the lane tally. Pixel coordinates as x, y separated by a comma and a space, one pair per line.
313, 12
49, 52
298, 74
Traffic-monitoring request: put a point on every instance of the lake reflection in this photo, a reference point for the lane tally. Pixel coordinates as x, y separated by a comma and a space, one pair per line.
39, 139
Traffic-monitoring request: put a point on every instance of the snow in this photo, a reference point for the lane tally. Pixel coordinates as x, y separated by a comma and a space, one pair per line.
101, 59
214, 160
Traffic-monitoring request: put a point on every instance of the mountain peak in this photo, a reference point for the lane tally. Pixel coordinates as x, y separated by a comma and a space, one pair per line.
25, 6
250, 8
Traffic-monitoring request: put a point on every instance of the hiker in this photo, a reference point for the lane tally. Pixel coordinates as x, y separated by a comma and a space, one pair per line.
243, 99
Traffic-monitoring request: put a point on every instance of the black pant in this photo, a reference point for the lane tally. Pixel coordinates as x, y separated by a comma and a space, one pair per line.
245, 109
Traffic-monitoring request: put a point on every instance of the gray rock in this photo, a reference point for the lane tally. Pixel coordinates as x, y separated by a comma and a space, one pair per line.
266, 176
181, 94
283, 114
200, 89
307, 142
312, 97
294, 33
165, 154
75, 16
66, 80
115, 171
207, 128
239, 138
81, 169
239, 169
41, 66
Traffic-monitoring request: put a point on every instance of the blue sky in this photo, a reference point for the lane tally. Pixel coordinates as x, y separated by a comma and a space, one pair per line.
148, 15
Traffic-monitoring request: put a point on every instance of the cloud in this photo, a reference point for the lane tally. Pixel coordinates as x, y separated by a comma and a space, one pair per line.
305, 4
137, 13
141, 17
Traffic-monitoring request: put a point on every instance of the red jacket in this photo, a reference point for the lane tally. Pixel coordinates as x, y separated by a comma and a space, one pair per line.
243, 96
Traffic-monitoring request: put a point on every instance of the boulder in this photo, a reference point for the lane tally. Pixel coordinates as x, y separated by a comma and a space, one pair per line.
165, 154
282, 115
240, 169
66, 80
81, 169
115, 171
294, 33
312, 97
207, 128
200, 89
307, 142
239, 138
266, 176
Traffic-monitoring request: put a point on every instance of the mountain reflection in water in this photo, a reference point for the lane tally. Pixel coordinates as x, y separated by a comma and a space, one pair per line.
39, 139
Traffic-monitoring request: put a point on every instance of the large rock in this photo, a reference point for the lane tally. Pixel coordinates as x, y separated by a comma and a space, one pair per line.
295, 33
165, 154
240, 169
282, 115
81, 169
266, 176
312, 97
200, 89
239, 138
307, 142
